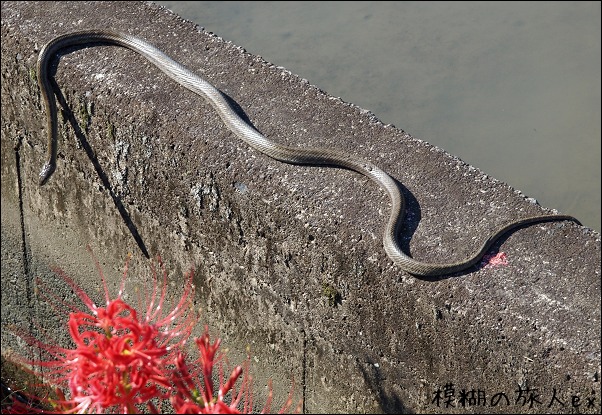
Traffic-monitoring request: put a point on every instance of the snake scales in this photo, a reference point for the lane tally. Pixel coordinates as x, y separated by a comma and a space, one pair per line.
244, 131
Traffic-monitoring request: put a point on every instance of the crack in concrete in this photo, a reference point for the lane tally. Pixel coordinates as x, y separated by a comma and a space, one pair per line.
303, 372
24, 250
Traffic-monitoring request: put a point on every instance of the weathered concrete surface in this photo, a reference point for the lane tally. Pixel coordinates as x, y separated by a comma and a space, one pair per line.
288, 259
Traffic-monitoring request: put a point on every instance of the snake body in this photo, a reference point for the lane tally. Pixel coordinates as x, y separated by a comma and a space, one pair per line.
244, 131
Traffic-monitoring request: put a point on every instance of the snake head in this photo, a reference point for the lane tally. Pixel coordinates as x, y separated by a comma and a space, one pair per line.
46, 172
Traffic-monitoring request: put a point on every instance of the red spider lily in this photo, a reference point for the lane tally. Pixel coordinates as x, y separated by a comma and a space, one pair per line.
123, 361
194, 397
120, 360
195, 389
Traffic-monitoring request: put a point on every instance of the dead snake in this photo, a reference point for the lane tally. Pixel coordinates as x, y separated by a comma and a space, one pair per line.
244, 131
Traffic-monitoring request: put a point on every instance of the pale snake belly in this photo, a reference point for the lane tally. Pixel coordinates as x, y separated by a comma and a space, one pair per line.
247, 133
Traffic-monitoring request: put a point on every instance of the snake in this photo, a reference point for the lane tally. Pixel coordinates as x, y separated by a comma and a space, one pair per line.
251, 136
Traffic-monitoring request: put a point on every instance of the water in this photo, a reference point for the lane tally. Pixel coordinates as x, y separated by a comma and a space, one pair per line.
512, 88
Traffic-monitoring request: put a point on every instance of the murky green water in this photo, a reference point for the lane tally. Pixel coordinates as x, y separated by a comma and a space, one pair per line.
512, 88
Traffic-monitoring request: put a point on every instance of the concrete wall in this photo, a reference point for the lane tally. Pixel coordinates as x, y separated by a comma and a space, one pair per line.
288, 259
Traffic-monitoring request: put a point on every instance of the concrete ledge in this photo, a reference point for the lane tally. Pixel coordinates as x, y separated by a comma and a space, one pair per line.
288, 259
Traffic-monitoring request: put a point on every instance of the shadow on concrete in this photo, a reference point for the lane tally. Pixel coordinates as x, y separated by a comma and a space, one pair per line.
411, 218
238, 110
390, 402
493, 250
81, 136
412, 214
